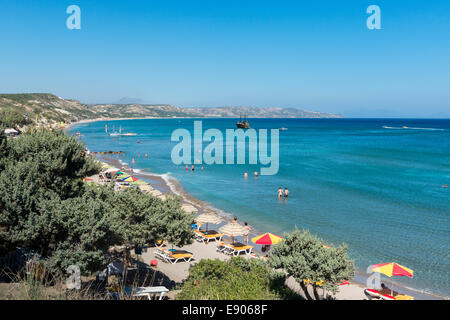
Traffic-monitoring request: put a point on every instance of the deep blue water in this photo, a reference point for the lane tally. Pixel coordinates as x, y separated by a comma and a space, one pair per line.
367, 182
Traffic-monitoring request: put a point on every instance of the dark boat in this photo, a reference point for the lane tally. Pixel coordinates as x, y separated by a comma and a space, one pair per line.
243, 124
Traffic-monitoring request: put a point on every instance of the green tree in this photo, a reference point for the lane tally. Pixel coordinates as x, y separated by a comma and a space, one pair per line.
142, 219
11, 118
46, 206
57, 162
3, 148
235, 279
303, 256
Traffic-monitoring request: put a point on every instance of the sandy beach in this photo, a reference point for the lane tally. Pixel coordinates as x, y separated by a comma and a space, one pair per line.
165, 185
180, 271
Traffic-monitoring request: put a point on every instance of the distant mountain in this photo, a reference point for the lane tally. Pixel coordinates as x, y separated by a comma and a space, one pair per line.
48, 108
127, 100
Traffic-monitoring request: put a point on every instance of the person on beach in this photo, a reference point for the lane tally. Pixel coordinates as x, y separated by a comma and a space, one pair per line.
234, 220
247, 228
386, 290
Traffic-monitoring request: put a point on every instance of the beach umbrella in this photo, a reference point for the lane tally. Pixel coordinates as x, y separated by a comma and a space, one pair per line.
267, 239
138, 182
392, 269
233, 229
129, 179
207, 218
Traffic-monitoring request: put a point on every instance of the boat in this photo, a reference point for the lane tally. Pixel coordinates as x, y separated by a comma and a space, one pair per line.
120, 134
243, 124
128, 134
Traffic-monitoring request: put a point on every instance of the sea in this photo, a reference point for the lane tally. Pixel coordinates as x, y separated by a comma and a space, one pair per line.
377, 185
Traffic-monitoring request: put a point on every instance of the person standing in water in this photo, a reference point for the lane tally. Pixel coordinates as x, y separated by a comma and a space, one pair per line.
192, 168
280, 192
245, 175
286, 192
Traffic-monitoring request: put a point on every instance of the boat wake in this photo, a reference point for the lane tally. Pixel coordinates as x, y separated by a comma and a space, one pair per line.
413, 128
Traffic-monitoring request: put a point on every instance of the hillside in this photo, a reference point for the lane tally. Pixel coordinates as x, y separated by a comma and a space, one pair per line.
48, 108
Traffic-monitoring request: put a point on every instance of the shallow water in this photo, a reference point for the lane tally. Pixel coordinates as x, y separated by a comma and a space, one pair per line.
371, 183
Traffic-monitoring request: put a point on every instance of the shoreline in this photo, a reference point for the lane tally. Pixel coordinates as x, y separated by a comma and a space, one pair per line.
172, 186
167, 184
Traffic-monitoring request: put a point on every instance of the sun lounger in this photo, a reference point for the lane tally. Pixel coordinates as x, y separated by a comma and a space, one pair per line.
206, 237
173, 257
145, 292
234, 249
375, 294
149, 291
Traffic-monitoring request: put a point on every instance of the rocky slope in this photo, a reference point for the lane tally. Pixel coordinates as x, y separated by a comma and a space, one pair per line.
47, 108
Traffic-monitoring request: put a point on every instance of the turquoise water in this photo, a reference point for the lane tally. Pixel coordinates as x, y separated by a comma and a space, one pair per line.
367, 182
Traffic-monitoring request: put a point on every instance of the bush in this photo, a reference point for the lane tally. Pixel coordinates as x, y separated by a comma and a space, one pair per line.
236, 279
303, 256
45, 206
12, 118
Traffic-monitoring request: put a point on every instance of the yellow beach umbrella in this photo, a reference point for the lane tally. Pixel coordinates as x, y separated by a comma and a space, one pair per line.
392, 269
267, 239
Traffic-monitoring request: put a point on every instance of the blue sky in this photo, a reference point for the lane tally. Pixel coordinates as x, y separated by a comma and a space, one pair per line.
314, 55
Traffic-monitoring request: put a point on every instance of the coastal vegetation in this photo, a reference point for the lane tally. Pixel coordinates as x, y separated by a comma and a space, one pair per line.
305, 257
10, 118
235, 279
45, 206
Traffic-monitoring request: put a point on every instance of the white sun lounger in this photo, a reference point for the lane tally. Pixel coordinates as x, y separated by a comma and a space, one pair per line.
166, 256
235, 251
149, 291
205, 239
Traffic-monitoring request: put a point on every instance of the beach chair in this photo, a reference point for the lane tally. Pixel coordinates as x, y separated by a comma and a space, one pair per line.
143, 292
205, 238
372, 293
173, 257
149, 291
234, 249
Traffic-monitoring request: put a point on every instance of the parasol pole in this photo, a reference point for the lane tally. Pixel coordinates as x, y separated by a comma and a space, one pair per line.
392, 287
